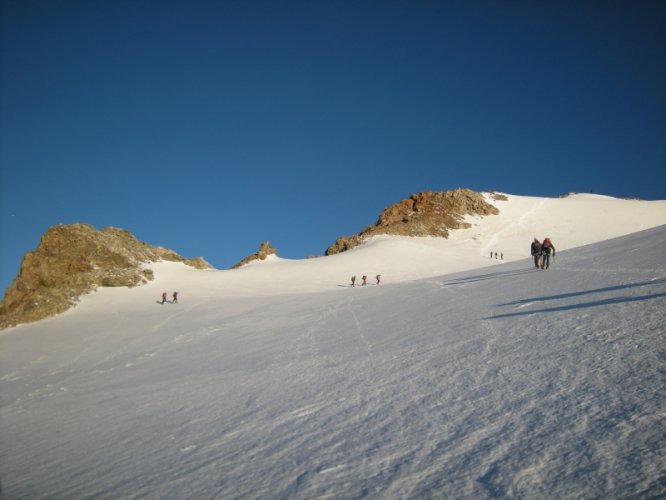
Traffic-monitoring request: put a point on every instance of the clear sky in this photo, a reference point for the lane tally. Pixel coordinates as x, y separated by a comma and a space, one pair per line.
210, 126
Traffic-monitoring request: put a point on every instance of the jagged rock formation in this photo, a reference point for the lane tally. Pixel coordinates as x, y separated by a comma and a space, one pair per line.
265, 249
74, 259
344, 243
423, 214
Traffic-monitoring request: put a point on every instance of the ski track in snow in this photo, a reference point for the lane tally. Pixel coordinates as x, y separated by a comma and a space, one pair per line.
506, 232
497, 382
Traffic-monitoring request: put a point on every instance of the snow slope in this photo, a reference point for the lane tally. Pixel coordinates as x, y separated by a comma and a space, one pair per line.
495, 381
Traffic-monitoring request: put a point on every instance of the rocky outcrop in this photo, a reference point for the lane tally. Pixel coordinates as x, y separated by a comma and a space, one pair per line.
423, 214
74, 259
344, 243
498, 196
265, 249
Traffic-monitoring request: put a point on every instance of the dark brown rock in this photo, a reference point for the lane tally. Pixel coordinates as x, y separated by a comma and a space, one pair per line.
265, 249
422, 214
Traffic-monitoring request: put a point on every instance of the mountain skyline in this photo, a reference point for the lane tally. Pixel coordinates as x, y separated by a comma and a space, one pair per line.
209, 127
429, 233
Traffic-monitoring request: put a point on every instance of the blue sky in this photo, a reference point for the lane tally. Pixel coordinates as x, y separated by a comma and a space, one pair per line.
208, 127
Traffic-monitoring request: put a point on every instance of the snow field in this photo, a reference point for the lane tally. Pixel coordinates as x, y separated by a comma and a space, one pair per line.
495, 381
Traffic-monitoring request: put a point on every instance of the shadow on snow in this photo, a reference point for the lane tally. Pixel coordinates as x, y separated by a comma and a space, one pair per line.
489, 276
583, 305
584, 292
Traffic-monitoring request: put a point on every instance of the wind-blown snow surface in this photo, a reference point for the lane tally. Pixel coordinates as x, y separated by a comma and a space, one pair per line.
501, 381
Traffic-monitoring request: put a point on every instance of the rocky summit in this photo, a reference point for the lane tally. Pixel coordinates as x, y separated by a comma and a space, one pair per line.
74, 259
265, 249
423, 214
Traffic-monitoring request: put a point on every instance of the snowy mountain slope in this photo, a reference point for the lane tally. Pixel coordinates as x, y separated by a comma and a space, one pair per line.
501, 381
571, 222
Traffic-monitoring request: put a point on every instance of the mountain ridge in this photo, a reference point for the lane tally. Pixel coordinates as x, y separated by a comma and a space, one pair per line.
467, 228
74, 259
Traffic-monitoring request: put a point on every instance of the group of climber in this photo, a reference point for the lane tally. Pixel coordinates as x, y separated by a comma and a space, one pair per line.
174, 295
365, 280
541, 252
